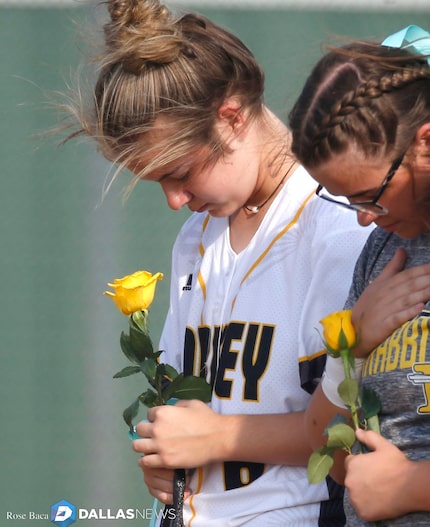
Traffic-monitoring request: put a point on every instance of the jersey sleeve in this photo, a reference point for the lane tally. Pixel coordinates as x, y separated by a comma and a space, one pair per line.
335, 241
185, 256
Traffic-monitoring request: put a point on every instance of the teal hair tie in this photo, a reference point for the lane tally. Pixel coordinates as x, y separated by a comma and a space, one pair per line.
413, 37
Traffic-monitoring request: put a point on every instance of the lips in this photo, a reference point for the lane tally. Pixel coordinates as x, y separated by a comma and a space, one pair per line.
203, 208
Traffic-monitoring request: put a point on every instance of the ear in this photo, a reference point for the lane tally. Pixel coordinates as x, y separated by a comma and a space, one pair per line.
231, 116
422, 137
422, 146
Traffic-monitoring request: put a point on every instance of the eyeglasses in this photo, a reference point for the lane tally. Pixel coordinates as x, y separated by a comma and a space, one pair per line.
372, 206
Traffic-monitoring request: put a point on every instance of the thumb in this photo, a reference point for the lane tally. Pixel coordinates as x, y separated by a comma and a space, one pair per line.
394, 266
371, 439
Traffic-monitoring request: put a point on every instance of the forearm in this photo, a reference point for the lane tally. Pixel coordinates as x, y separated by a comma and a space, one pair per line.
319, 413
190, 434
273, 439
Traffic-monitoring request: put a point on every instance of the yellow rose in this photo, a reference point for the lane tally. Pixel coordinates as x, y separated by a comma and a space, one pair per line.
338, 331
134, 292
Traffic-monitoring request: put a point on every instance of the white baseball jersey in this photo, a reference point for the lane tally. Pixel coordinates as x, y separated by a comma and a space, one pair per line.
249, 323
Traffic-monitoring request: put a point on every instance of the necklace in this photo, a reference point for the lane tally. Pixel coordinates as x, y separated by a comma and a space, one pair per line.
256, 208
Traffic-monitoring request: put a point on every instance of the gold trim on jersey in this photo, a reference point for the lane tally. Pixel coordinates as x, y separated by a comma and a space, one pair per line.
262, 255
198, 490
310, 358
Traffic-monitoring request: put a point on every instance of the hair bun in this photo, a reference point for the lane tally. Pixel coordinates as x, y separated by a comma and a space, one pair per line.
121, 10
142, 31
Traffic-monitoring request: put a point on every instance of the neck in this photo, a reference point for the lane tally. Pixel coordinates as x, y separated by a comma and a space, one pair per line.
263, 200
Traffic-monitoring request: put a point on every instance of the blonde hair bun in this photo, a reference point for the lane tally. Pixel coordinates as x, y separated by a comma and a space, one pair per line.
141, 32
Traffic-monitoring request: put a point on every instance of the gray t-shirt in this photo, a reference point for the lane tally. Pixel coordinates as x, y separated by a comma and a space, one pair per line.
398, 370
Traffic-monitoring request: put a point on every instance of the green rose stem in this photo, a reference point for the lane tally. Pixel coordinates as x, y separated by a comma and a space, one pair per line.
345, 356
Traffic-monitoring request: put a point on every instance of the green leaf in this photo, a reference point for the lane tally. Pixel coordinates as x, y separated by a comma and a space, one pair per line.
167, 371
190, 387
127, 371
127, 348
319, 465
130, 413
341, 436
370, 403
337, 419
171, 387
141, 344
149, 369
149, 398
139, 340
348, 391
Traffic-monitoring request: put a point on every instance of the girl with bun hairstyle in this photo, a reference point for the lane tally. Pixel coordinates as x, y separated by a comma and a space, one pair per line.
261, 259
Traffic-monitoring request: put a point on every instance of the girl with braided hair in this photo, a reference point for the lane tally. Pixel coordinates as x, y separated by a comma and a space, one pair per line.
179, 102
361, 126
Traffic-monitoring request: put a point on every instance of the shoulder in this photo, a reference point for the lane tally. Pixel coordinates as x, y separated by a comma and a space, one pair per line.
324, 216
190, 234
193, 226
325, 221
195, 232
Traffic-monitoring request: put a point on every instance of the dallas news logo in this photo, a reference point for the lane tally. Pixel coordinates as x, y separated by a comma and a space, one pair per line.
63, 513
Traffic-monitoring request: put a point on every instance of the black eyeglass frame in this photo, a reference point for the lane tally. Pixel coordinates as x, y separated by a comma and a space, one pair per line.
372, 206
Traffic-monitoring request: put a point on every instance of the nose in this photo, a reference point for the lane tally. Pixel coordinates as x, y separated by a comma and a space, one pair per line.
176, 196
365, 218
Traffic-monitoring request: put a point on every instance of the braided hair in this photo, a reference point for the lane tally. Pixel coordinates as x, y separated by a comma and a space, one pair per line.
363, 94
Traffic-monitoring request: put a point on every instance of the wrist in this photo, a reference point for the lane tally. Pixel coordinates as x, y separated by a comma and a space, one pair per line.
225, 438
221, 439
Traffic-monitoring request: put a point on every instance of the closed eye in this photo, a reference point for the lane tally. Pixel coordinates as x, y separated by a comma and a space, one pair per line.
362, 196
175, 176
183, 177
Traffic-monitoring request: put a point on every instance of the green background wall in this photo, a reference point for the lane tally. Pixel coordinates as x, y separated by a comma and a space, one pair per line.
61, 431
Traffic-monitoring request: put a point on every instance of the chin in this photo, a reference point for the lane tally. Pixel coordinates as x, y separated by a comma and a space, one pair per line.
219, 213
412, 231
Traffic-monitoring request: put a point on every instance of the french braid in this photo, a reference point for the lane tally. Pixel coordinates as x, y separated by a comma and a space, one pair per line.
362, 100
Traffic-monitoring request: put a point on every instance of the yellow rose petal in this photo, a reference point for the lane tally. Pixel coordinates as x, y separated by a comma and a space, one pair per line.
134, 292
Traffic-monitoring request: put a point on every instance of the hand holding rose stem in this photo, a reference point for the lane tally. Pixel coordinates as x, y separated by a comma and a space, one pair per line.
133, 295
